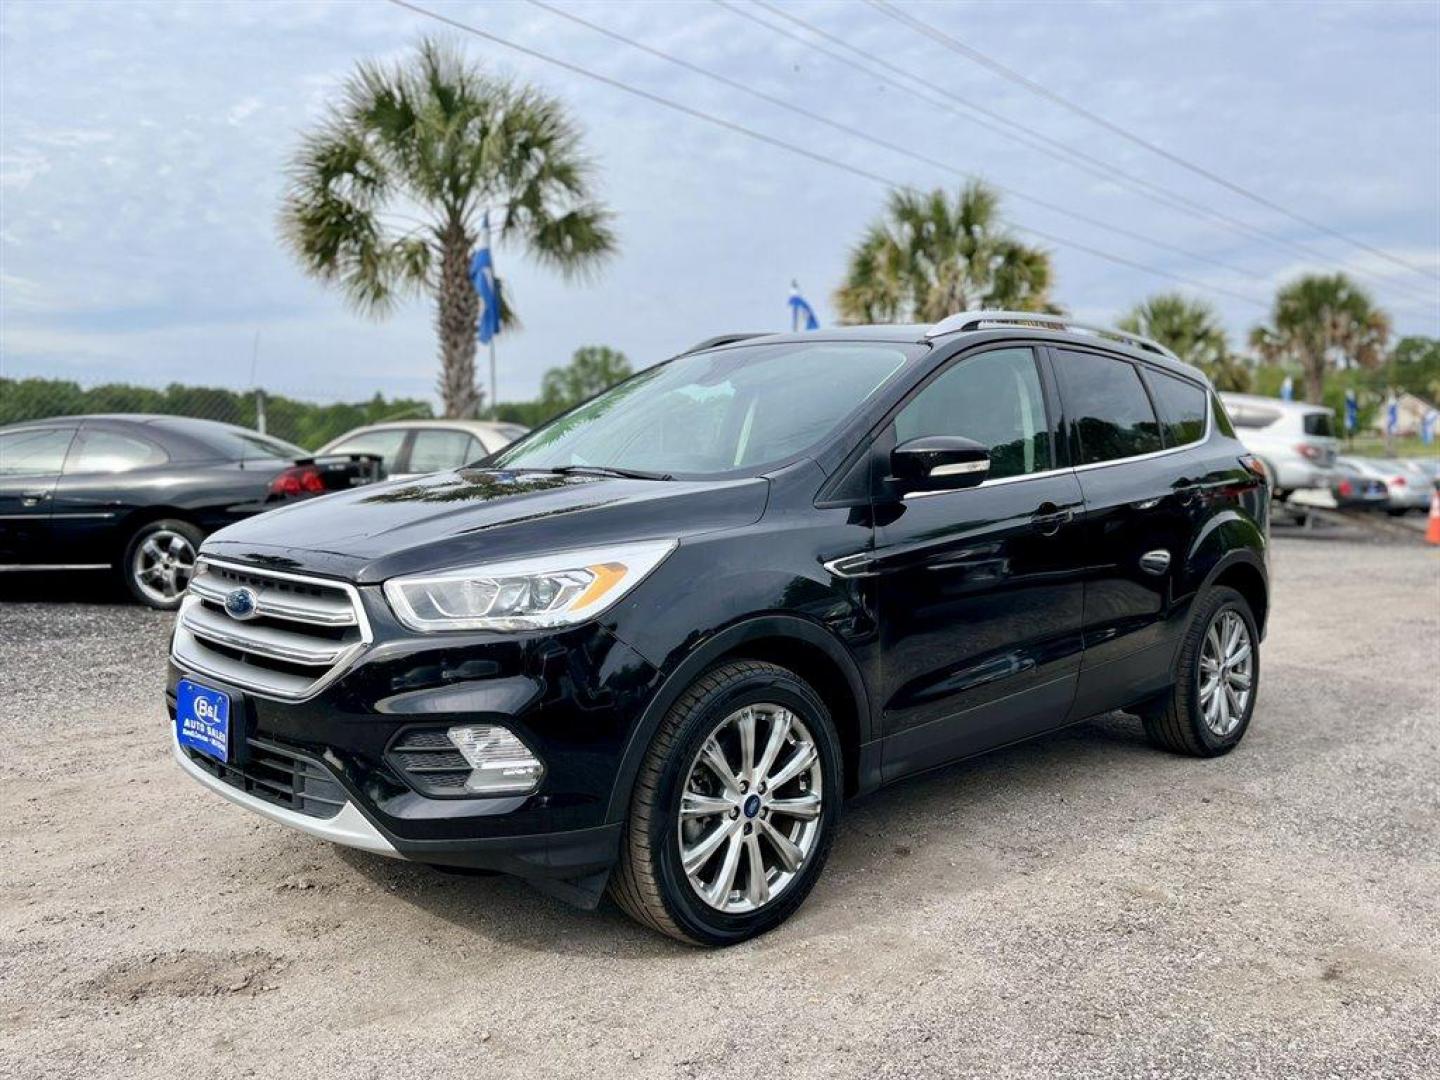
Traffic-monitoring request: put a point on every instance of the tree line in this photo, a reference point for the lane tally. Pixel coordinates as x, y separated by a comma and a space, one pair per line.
307, 424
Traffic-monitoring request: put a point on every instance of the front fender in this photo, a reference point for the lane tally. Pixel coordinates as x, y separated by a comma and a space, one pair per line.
704, 655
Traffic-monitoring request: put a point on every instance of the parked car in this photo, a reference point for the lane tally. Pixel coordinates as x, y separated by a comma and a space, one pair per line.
1352, 489
1407, 488
414, 447
655, 645
138, 493
1296, 441
1429, 466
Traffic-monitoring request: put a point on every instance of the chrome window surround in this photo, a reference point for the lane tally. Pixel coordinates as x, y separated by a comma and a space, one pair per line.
190, 654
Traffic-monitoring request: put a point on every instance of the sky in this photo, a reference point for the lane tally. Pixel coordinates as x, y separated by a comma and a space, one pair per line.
143, 148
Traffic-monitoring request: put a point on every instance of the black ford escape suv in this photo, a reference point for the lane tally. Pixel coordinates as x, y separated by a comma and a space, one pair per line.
658, 642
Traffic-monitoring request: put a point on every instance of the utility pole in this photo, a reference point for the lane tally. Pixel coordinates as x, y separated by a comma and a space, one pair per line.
259, 394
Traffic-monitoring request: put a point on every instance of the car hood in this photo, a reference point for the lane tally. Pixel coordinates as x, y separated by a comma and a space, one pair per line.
469, 516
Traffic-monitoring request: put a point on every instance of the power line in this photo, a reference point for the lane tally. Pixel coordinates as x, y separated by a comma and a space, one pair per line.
812, 155
988, 62
857, 133
1027, 136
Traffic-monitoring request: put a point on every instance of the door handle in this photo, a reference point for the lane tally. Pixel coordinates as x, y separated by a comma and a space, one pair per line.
1048, 519
33, 498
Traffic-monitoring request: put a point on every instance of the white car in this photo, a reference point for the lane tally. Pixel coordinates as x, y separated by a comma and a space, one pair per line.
415, 447
1407, 487
1296, 441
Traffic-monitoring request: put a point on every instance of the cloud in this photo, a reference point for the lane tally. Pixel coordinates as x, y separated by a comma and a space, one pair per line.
142, 152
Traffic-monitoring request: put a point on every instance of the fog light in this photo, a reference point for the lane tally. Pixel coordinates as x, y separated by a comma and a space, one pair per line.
500, 763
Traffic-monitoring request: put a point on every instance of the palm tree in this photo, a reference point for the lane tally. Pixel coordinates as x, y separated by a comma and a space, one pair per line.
388, 194
1192, 330
931, 256
1319, 320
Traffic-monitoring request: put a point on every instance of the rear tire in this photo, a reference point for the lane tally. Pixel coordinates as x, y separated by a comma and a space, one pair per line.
658, 880
1219, 654
159, 561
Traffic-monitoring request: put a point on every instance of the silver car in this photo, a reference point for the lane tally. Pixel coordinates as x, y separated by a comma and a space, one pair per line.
415, 447
1406, 487
1295, 440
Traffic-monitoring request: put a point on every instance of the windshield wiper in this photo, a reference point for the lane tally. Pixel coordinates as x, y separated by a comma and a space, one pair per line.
610, 470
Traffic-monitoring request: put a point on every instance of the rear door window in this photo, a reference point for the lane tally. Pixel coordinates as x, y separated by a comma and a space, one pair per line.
385, 443
1182, 407
1109, 411
112, 452
436, 449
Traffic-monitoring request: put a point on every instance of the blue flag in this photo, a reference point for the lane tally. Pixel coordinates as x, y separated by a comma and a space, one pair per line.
1352, 411
1427, 426
482, 276
1392, 415
800, 311
1287, 389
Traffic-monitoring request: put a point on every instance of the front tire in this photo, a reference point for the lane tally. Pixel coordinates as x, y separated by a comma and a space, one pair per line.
1207, 711
734, 809
159, 562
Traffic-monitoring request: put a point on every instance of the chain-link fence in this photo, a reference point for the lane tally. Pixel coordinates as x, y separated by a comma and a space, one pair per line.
307, 423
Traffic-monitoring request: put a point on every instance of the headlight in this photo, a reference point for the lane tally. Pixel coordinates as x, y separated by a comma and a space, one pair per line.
525, 594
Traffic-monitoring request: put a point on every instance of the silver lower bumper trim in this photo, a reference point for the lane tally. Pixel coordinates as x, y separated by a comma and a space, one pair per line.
348, 827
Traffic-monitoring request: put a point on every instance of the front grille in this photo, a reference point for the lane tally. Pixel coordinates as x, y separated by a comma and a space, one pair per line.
301, 634
281, 777
429, 760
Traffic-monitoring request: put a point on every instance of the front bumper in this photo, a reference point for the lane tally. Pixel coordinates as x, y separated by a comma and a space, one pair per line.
572, 696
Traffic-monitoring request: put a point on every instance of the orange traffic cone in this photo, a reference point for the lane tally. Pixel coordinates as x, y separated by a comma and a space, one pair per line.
1432, 527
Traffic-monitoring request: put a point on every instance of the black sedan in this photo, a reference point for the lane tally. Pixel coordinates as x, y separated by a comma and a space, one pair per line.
138, 493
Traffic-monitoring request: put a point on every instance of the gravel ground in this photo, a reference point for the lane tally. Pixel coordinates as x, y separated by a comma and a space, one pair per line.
1078, 906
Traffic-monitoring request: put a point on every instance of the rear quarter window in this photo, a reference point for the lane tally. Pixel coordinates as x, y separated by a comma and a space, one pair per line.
1182, 406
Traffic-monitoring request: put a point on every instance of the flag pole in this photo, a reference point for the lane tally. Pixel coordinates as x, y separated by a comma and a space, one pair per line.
494, 400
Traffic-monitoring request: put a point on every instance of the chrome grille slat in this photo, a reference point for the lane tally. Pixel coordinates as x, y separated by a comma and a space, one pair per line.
260, 640
318, 613
305, 631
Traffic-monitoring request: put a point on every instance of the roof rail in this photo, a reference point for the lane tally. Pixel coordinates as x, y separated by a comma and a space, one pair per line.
974, 320
724, 339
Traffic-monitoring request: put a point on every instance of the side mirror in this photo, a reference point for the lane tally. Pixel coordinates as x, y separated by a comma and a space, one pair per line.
938, 463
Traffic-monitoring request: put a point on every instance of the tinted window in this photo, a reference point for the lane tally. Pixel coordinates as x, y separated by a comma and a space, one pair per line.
1320, 423
434, 450
109, 451
1182, 407
237, 444
716, 411
37, 452
993, 398
385, 443
1107, 406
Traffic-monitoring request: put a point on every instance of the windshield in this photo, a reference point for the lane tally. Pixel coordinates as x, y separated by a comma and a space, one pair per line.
716, 412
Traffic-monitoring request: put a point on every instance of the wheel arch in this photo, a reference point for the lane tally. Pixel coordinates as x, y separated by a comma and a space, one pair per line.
801, 646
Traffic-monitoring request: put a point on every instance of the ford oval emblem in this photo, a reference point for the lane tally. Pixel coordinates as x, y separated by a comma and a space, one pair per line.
240, 603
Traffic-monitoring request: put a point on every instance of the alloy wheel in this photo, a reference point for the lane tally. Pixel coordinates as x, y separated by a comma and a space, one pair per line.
163, 565
1227, 672
750, 808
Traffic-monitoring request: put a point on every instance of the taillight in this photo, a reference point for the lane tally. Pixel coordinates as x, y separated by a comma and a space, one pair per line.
299, 480
1255, 466
1399, 481
1346, 489
1307, 450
